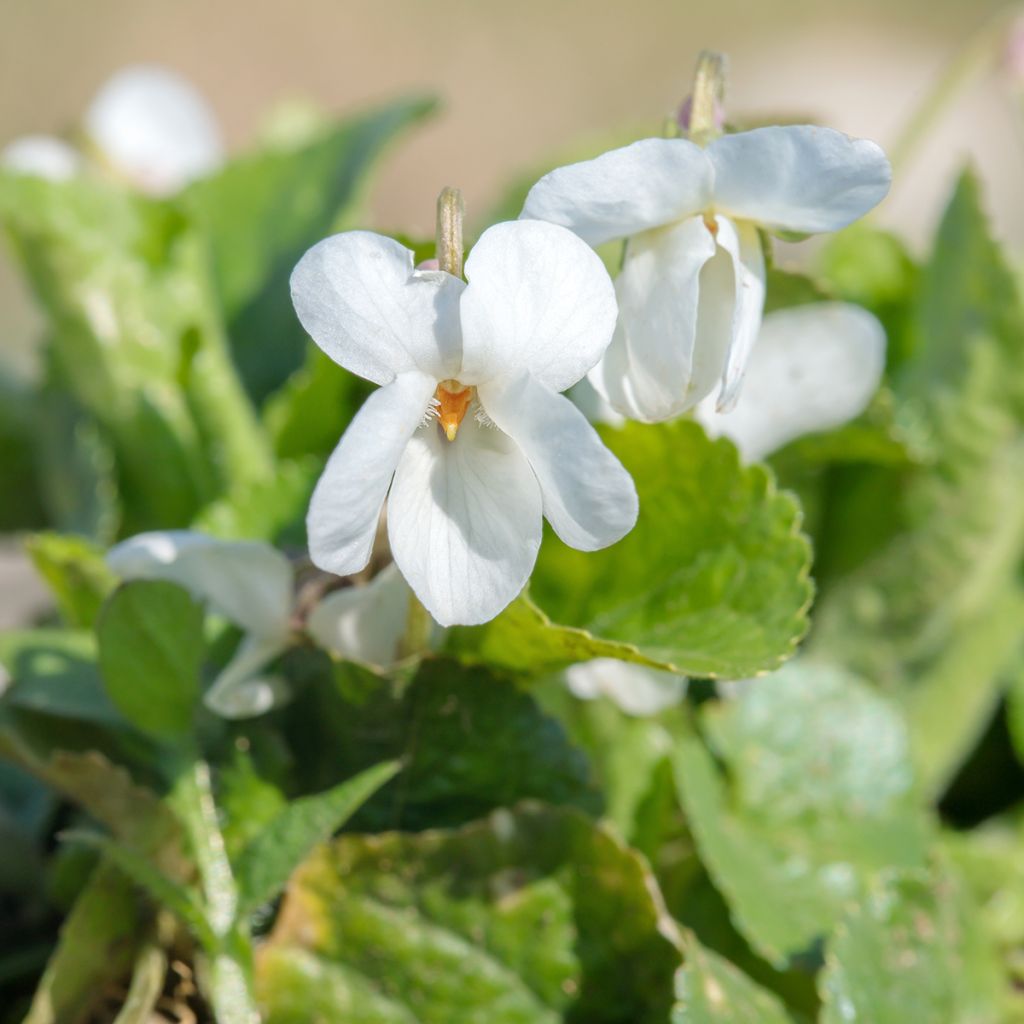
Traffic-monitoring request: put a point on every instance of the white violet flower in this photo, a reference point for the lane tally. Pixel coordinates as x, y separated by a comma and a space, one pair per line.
146, 125
251, 584
691, 289
813, 369
467, 436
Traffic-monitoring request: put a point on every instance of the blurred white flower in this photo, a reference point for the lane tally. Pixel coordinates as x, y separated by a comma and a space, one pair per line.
468, 431
691, 290
636, 689
814, 368
251, 585
146, 126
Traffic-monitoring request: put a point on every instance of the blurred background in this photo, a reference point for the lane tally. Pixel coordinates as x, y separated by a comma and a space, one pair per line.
521, 81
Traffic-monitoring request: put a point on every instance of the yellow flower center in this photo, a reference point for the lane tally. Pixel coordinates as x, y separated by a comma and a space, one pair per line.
453, 401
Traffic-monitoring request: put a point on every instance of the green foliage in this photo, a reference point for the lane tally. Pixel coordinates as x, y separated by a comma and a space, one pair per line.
151, 649
267, 861
137, 341
931, 615
76, 574
535, 914
260, 214
709, 990
904, 944
817, 796
766, 851
712, 581
54, 671
468, 740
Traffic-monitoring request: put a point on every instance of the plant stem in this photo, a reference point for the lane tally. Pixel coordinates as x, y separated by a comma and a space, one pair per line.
977, 52
450, 213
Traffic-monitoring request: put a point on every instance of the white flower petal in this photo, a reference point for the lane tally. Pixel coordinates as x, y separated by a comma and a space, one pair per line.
245, 581
647, 372
741, 242
798, 177
588, 400
464, 521
346, 503
538, 300
362, 302
43, 156
813, 368
589, 498
242, 690
644, 185
365, 623
636, 689
154, 128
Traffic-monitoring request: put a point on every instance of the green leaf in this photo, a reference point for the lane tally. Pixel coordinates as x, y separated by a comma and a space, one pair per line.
179, 899
273, 509
318, 384
818, 795
710, 990
247, 802
902, 952
469, 741
108, 793
76, 466
23, 506
535, 915
712, 581
97, 943
261, 213
905, 619
150, 652
267, 862
523, 639
54, 671
968, 292
76, 573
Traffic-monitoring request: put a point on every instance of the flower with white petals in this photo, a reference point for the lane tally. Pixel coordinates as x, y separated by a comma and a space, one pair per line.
146, 125
691, 290
251, 585
814, 368
468, 436
636, 689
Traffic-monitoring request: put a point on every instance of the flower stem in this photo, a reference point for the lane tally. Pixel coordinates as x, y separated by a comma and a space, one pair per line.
450, 211
708, 93
977, 53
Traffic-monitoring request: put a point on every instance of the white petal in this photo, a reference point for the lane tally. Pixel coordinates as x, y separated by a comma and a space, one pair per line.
589, 402
364, 623
538, 300
798, 177
245, 581
242, 690
346, 503
589, 498
742, 244
154, 128
814, 368
647, 372
362, 302
636, 689
464, 521
644, 185
43, 156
